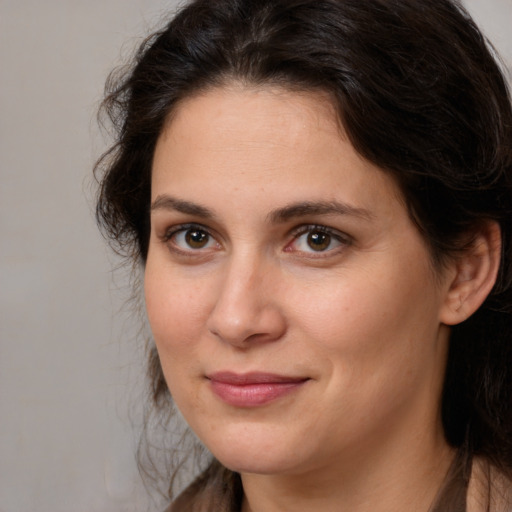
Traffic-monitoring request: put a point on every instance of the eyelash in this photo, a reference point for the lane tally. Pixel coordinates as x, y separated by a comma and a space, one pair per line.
335, 236
171, 234
341, 238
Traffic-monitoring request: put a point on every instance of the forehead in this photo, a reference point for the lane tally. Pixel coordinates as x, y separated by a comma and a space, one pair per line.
237, 115
233, 140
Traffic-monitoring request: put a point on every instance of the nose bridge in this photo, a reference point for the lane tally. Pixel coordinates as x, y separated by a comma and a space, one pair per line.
246, 306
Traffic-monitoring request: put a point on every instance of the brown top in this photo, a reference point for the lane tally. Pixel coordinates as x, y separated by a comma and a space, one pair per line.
216, 489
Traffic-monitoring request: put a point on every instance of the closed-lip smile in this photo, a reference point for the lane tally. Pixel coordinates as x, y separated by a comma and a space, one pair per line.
252, 389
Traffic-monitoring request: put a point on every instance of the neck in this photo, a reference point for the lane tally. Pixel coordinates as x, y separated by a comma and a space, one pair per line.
375, 480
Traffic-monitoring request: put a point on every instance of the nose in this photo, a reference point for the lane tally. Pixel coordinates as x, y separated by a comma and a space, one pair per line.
247, 310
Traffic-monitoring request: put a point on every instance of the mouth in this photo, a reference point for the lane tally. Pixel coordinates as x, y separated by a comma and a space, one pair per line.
253, 389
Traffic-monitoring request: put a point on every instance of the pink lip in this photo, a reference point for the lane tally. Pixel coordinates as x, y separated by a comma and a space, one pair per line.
252, 389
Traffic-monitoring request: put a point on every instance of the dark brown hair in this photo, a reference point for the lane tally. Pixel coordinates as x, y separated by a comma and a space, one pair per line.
419, 94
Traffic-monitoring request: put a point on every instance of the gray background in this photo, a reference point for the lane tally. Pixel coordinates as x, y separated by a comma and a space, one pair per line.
70, 369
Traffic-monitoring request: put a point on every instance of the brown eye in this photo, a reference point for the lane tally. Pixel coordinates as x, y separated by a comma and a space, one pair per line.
190, 238
321, 240
196, 238
318, 241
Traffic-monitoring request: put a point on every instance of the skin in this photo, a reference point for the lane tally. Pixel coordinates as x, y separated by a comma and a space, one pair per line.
363, 317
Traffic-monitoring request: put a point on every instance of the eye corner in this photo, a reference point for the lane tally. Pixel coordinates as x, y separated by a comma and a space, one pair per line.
317, 241
189, 240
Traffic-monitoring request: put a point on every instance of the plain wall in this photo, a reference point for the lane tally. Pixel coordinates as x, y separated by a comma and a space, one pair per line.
70, 370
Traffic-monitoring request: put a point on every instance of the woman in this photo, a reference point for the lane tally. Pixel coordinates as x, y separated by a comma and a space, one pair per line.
319, 192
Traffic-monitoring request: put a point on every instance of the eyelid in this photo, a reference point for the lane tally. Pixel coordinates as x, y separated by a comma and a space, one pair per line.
305, 228
175, 229
340, 236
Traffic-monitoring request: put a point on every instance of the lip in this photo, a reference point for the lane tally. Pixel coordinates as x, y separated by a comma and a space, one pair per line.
252, 389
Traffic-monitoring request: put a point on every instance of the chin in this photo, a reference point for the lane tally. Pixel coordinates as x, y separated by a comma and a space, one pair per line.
254, 452
268, 465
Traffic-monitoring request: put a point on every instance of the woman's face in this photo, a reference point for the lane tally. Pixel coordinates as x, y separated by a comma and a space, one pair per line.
292, 301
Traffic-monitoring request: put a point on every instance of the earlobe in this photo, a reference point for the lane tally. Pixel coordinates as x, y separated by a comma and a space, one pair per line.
474, 275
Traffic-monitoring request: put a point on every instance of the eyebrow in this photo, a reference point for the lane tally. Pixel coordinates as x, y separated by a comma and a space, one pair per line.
303, 209
286, 213
166, 202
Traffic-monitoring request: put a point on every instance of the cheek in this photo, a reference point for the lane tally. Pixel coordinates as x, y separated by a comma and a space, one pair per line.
176, 309
176, 319
381, 313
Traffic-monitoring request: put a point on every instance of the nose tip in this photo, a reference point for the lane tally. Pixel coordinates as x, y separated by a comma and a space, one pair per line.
246, 312
240, 330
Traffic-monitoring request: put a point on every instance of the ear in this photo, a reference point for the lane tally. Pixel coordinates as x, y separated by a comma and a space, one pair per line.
473, 275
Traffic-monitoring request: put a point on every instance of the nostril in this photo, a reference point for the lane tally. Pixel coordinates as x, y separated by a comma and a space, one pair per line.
247, 308
264, 324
